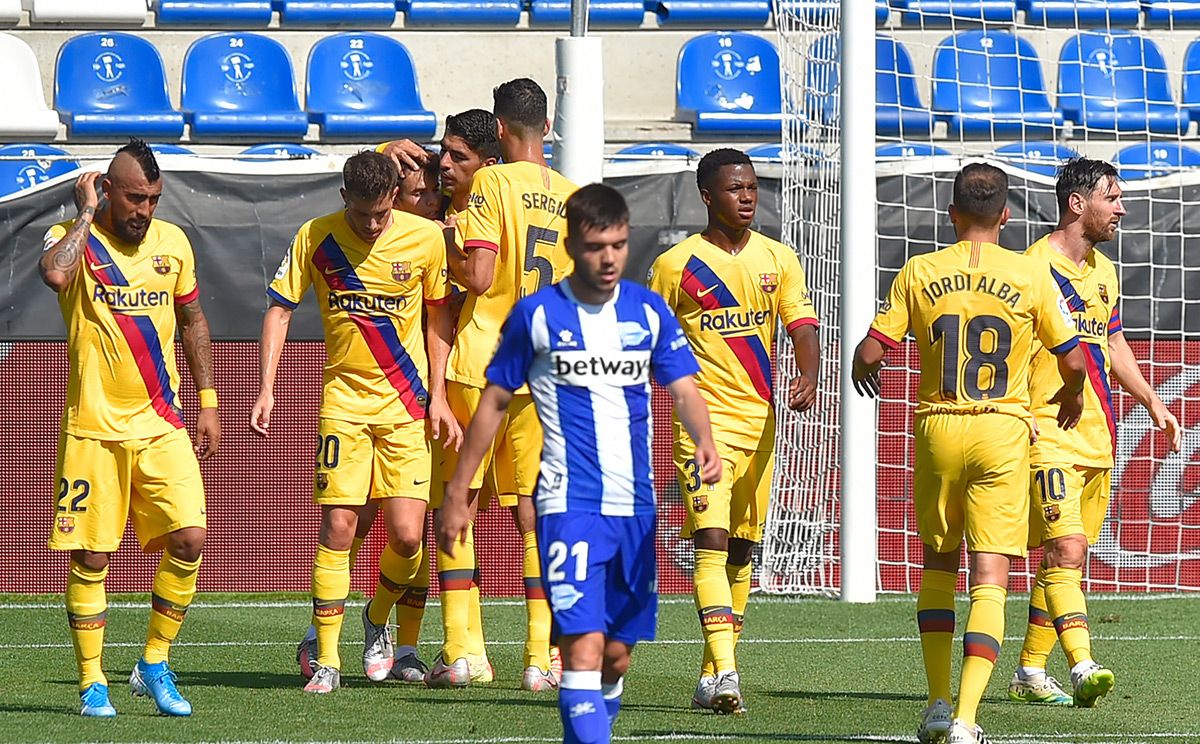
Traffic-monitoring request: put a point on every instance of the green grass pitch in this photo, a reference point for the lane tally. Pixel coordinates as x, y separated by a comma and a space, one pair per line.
813, 670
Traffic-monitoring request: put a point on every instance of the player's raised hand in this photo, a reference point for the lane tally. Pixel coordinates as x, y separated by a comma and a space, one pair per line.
86, 193
443, 424
708, 462
260, 415
406, 154
1070, 407
208, 433
802, 393
1166, 422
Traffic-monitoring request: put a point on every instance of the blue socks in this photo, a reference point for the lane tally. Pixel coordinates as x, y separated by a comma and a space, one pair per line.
612, 699
583, 708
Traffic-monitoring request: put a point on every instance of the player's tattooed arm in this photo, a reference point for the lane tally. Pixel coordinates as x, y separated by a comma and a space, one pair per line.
60, 262
197, 342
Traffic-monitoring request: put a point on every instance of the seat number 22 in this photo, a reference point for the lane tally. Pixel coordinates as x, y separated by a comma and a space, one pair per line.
558, 552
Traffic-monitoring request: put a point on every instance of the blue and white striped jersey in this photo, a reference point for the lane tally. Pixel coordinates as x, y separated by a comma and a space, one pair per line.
588, 368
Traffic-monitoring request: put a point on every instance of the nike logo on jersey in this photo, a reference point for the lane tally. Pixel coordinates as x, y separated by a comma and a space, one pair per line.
420, 482
706, 291
333, 270
99, 267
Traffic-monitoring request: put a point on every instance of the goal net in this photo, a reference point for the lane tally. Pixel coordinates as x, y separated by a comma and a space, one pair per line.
1025, 89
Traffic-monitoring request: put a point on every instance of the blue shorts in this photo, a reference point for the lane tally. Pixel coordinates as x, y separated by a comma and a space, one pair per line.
600, 574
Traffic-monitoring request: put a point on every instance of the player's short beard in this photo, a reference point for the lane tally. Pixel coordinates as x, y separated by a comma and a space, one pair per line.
130, 235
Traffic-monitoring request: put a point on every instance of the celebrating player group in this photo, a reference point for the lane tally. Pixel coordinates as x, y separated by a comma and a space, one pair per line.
484, 349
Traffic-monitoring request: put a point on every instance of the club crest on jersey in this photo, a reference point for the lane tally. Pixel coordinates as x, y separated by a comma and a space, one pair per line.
699, 503
322, 481
401, 270
1103, 293
163, 266
1052, 513
768, 282
566, 340
65, 525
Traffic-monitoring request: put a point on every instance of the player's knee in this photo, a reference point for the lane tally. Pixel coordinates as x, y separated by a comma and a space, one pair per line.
616, 661
337, 528
406, 543
90, 560
711, 538
525, 514
186, 544
1066, 552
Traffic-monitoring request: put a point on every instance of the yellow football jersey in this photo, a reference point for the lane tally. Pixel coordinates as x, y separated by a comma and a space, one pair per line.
120, 318
370, 297
1090, 292
729, 307
519, 211
975, 310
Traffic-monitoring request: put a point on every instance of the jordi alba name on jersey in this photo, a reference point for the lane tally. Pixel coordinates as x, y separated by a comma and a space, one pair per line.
729, 307
588, 368
975, 310
120, 318
1090, 292
518, 211
370, 298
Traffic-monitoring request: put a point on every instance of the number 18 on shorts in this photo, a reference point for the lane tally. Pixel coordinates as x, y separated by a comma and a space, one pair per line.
600, 574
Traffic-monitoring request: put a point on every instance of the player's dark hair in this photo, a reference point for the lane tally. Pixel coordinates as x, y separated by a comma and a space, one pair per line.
981, 191
432, 168
521, 103
369, 175
1081, 176
477, 128
141, 152
595, 205
715, 160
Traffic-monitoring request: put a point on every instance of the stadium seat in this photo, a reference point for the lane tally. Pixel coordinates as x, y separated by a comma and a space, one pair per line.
356, 13
364, 86
728, 83
169, 149
1191, 80
712, 13
601, 13
655, 150
1150, 159
1082, 13
279, 151
989, 83
821, 11
10, 12
239, 13
904, 150
504, 13
1172, 13
112, 84
1117, 81
21, 174
898, 108
240, 85
941, 13
25, 111
112, 12
1039, 157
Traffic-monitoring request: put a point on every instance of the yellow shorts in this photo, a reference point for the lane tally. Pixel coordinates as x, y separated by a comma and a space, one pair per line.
102, 484
511, 464
738, 503
357, 462
972, 473
1067, 500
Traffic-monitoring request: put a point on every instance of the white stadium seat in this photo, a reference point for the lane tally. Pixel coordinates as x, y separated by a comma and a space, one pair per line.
10, 12
124, 12
25, 113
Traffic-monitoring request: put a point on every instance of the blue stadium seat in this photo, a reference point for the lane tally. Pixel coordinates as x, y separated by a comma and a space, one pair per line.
21, 174
168, 149
1191, 80
112, 84
653, 150
712, 13
279, 151
1172, 13
821, 11
898, 108
1117, 81
364, 86
940, 13
728, 83
462, 12
904, 150
1150, 159
239, 13
1082, 13
601, 13
241, 85
989, 83
356, 13
1039, 157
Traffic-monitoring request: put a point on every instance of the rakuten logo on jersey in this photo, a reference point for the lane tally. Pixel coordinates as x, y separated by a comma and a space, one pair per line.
585, 369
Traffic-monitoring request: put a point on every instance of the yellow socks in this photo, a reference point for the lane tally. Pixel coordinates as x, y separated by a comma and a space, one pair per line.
714, 603
935, 621
1064, 598
476, 646
174, 587
330, 585
981, 646
456, 575
396, 572
1039, 633
410, 609
739, 588
87, 607
537, 609
355, 545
